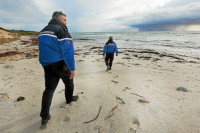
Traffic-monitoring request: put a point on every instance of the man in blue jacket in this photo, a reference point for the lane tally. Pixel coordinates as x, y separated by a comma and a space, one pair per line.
109, 49
56, 55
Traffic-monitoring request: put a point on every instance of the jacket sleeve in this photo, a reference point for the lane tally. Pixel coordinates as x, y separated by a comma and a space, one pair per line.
104, 50
67, 48
116, 50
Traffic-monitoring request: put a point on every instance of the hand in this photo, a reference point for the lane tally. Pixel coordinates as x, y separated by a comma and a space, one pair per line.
72, 74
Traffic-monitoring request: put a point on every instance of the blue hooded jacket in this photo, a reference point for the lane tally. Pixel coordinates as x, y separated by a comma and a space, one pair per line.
56, 44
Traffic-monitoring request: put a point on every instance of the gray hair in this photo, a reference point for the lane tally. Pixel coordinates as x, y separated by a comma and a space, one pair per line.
58, 14
110, 38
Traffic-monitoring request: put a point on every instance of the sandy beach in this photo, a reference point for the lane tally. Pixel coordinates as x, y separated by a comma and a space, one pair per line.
136, 74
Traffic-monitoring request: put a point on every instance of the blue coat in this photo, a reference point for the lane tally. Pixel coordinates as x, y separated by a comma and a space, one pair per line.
110, 47
56, 44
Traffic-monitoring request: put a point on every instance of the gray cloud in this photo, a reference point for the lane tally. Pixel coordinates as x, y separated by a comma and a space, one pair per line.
169, 18
104, 15
19, 15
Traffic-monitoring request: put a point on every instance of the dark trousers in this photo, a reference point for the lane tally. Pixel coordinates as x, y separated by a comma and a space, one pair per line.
53, 73
109, 59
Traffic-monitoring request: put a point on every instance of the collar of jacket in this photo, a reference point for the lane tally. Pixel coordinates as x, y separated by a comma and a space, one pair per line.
56, 22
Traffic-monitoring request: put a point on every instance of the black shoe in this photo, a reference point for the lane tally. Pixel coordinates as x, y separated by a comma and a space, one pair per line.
110, 68
74, 99
45, 121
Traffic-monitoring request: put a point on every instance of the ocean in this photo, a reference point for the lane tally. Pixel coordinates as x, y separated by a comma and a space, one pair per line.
176, 41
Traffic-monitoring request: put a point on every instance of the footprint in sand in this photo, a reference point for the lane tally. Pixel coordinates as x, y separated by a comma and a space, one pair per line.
135, 124
67, 119
126, 88
114, 81
116, 76
121, 101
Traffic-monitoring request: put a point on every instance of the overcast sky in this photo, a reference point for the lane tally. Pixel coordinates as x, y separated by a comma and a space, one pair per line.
103, 15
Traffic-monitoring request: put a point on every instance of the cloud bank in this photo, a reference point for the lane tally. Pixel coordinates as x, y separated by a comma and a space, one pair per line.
103, 15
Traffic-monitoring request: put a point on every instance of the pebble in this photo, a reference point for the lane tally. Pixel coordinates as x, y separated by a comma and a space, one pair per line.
20, 98
182, 89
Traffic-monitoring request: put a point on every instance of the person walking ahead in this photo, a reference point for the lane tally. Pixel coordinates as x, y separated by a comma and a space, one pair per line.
56, 55
109, 49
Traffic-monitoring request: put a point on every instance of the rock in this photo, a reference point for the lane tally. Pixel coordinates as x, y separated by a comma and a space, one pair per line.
182, 89
20, 98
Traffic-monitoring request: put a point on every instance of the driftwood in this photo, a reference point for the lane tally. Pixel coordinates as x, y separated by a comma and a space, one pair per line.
111, 112
95, 117
99, 129
143, 100
137, 95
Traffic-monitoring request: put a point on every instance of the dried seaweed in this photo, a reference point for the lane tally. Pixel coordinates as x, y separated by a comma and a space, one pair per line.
137, 95
111, 112
96, 116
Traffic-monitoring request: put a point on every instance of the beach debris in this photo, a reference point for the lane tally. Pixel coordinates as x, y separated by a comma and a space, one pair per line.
114, 81
96, 47
137, 95
80, 60
4, 96
127, 58
86, 53
80, 93
193, 62
145, 57
137, 64
20, 98
143, 100
182, 89
121, 101
155, 59
120, 63
96, 116
111, 112
99, 129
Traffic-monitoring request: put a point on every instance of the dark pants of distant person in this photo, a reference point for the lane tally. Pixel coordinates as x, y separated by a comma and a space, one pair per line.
53, 73
109, 59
